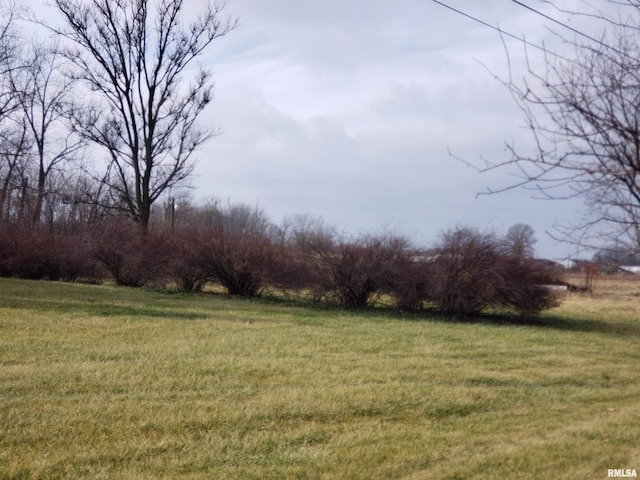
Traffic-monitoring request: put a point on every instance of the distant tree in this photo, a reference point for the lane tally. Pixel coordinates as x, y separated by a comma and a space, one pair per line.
14, 144
616, 256
9, 54
520, 240
76, 201
14, 148
132, 56
43, 97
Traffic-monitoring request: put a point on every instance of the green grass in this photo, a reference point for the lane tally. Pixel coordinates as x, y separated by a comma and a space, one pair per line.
111, 383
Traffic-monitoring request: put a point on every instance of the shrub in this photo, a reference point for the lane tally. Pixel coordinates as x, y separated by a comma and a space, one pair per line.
527, 285
37, 254
464, 277
238, 252
185, 265
238, 262
132, 259
73, 258
409, 283
472, 271
354, 273
302, 241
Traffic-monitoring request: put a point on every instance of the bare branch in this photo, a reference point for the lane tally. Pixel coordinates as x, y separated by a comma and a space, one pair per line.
583, 114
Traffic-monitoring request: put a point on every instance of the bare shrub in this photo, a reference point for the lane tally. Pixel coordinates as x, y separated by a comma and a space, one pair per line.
31, 255
473, 271
410, 281
237, 262
354, 273
185, 265
527, 284
74, 259
239, 253
38, 254
303, 241
465, 279
133, 259
5, 252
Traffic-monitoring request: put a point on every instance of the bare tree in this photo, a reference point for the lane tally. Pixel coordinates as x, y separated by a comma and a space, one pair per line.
132, 58
583, 112
520, 240
9, 47
43, 97
14, 148
13, 142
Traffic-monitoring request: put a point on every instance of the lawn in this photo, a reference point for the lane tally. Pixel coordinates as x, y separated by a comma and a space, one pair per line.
101, 382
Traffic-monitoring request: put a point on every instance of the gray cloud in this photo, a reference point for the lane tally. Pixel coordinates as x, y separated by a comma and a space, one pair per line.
348, 111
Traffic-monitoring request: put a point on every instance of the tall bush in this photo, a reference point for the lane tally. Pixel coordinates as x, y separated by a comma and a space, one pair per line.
473, 271
185, 264
238, 252
133, 259
39, 254
355, 272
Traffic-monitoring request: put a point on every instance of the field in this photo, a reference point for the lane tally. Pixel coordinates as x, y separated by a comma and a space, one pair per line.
100, 382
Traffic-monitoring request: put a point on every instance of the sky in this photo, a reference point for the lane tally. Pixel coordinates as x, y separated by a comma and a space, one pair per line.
360, 113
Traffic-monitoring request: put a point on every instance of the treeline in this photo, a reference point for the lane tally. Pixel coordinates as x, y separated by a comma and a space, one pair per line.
465, 271
92, 118
84, 163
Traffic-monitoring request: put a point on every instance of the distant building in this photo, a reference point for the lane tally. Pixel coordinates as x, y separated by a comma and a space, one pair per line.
628, 269
578, 265
609, 268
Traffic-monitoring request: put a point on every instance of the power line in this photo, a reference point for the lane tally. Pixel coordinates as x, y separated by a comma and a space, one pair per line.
568, 27
502, 32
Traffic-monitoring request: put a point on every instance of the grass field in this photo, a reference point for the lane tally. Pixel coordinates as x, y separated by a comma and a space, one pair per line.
101, 382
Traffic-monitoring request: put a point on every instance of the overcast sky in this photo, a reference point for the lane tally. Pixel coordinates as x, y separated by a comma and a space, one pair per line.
348, 110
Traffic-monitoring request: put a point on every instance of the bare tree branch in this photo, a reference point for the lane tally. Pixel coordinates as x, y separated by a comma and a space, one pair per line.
583, 114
